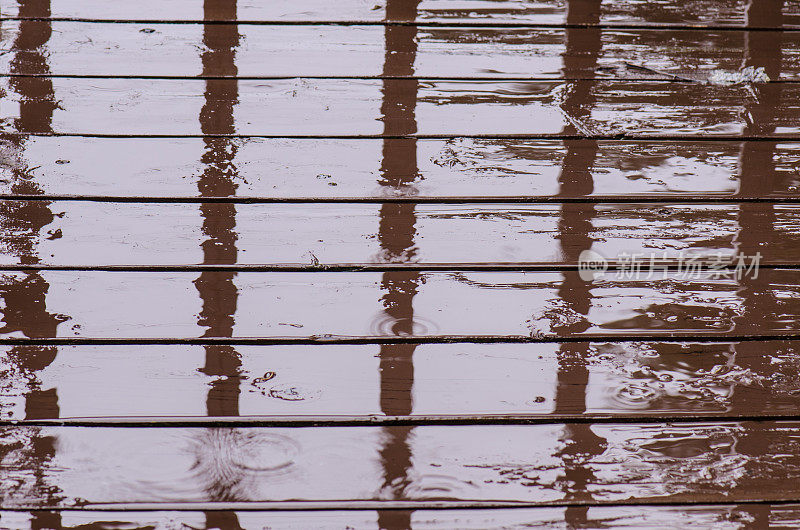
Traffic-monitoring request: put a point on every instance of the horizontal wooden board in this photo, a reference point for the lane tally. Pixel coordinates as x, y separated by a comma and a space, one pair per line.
670, 12
426, 382
66, 233
462, 167
537, 464
323, 305
98, 49
323, 107
666, 517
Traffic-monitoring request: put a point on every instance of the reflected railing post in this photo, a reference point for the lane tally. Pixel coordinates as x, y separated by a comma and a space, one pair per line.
757, 178
25, 294
25, 298
396, 232
217, 289
582, 51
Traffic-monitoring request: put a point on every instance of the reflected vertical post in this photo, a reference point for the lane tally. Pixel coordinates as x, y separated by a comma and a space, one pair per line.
24, 295
396, 233
217, 289
583, 46
757, 178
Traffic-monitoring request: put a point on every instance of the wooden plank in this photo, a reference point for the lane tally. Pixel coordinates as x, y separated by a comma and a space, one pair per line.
98, 49
671, 12
458, 168
326, 306
324, 107
676, 347
537, 464
63, 233
426, 383
636, 517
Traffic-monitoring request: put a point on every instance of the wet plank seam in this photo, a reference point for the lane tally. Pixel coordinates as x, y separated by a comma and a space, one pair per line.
670, 78
425, 24
555, 136
663, 198
660, 265
293, 506
385, 421
710, 337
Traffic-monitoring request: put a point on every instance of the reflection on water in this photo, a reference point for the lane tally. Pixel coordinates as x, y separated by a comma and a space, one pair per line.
396, 232
623, 378
580, 443
757, 225
533, 463
433, 486
572, 463
628, 517
663, 377
24, 295
227, 461
217, 289
391, 321
223, 457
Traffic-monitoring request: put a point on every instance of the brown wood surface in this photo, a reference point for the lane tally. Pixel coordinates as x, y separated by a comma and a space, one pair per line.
65, 233
170, 50
347, 107
669, 12
666, 517
327, 305
454, 355
428, 383
568, 463
460, 169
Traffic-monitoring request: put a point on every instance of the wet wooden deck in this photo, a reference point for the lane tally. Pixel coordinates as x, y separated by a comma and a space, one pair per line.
316, 264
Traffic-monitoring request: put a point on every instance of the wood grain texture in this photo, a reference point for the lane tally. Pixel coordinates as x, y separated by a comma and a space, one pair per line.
668, 12
561, 463
427, 383
65, 233
98, 49
324, 107
321, 306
